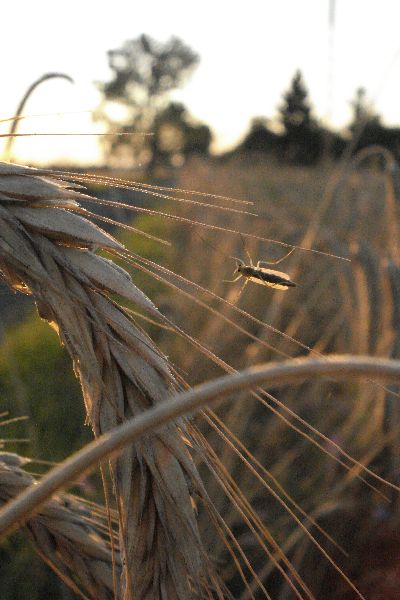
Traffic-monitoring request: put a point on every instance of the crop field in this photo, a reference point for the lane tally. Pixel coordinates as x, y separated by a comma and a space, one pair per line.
283, 489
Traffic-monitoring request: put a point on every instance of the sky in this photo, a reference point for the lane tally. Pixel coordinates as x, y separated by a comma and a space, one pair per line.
248, 51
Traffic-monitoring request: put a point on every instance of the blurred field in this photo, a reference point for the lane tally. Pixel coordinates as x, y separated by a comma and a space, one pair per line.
339, 306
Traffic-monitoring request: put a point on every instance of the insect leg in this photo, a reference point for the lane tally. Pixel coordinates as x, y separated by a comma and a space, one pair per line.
247, 252
240, 291
275, 262
232, 280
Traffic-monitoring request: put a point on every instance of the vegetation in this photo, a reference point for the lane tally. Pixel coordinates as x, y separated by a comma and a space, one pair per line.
289, 491
337, 307
35, 373
144, 73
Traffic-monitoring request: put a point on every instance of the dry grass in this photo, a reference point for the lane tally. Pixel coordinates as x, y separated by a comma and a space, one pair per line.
338, 307
281, 470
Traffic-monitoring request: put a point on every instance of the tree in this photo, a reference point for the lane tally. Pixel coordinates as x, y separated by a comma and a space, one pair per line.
144, 72
363, 112
259, 137
367, 128
176, 137
296, 111
302, 141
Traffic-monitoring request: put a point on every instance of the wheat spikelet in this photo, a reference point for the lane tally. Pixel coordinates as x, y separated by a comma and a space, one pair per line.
66, 534
47, 250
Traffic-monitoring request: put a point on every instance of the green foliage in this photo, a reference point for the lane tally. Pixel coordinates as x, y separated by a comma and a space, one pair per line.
23, 574
37, 380
155, 252
150, 249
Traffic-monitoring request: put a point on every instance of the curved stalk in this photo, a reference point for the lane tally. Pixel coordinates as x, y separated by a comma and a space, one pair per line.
284, 373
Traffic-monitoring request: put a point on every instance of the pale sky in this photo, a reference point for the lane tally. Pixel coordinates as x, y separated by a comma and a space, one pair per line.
249, 52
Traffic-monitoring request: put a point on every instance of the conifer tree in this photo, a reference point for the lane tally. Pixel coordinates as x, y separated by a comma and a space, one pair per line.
302, 139
295, 111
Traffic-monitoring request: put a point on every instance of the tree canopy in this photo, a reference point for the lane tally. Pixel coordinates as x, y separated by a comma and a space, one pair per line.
302, 141
144, 73
295, 111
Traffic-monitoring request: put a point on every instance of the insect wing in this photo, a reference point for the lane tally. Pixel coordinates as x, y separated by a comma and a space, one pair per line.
271, 278
277, 273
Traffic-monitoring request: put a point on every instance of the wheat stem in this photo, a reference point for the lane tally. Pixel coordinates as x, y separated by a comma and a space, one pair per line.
342, 367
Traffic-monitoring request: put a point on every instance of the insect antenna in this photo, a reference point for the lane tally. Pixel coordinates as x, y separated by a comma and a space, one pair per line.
276, 262
265, 262
246, 251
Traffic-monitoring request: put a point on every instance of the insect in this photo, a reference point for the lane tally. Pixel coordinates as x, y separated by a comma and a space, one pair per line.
260, 275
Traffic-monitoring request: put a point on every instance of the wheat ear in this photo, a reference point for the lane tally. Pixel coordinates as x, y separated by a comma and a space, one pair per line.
47, 249
66, 534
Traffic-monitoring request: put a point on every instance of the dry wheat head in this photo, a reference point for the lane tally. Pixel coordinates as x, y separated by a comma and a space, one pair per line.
47, 249
66, 534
